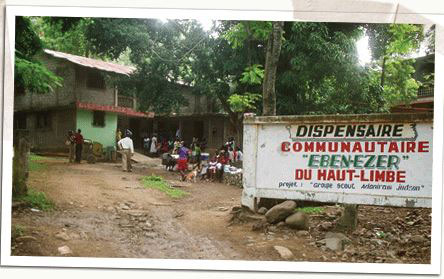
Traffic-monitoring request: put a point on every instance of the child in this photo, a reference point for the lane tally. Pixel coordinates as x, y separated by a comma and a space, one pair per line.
212, 167
222, 160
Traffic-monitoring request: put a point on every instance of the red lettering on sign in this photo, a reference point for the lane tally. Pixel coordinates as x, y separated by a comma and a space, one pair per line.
297, 146
410, 147
423, 146
400, 176
285, 146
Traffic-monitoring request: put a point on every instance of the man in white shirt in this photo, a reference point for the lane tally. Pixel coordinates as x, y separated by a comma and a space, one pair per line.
127, 150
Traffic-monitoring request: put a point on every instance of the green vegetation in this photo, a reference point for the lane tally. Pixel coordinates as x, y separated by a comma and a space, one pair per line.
38, 200
17, 231
317, 67
31, 75
34, 164
311, 210
157, 182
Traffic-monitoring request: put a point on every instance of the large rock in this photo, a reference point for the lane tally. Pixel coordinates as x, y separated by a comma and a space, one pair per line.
284, 252
335, 244
418, 239
64, 250
336, 241
262, 210
63, 236
298, 220
279, 212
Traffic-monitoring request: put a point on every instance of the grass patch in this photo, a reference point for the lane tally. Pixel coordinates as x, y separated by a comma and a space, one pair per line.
35, 164
38, 200
17, 231
157, 182
311, 210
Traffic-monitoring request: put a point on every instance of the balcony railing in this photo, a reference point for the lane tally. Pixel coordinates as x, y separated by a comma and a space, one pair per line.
425, 92
127, 102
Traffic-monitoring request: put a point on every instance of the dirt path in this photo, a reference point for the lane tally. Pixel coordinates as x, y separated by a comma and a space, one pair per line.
104, 212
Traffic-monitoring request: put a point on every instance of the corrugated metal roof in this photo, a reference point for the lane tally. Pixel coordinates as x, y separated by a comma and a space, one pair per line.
116, 109
92, 63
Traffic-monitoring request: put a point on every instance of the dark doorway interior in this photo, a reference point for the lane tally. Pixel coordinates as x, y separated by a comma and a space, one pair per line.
198, 129
134, 126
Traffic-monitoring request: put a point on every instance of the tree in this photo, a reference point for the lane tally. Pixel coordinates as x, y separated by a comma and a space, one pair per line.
319, 72
30, 75
271, 62
391, 45
63, 34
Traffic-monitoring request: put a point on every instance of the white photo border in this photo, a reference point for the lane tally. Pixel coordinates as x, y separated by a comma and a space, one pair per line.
393, 14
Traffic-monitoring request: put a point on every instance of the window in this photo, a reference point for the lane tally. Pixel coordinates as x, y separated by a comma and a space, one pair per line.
43, 120
99, 118
95, 80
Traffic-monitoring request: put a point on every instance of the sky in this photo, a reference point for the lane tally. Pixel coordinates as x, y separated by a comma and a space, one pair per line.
363, 50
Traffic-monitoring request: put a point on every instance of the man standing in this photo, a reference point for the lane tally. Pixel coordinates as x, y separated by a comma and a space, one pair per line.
70, 142
78, 138
127, 149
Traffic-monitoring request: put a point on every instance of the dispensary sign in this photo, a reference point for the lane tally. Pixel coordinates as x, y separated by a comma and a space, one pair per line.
378, 160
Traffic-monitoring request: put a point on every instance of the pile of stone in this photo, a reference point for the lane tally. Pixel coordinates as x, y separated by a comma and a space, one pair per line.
234, 179
285, 214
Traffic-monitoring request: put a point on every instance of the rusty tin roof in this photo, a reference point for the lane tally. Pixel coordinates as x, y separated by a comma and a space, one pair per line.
92, 63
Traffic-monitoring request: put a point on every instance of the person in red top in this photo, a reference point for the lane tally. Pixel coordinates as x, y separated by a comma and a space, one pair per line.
222, 160
78, 139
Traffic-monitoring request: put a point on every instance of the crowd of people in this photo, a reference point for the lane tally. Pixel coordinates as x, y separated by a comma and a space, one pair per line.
229, 153
212, 169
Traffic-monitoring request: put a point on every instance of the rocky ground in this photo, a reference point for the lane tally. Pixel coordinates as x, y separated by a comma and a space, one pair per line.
101, 211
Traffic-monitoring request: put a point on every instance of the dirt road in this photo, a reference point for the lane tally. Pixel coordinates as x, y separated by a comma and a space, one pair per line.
101, 211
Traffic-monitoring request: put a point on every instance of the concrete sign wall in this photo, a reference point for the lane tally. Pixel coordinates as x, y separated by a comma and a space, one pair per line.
362, 159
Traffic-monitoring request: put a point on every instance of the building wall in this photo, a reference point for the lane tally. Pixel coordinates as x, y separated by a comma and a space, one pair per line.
52, 137
61, 96
87, 94
74, 88
196, 104
105, 135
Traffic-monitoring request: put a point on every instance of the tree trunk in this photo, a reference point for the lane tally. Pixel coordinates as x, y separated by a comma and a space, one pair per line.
20, 168
271, 59
349, 219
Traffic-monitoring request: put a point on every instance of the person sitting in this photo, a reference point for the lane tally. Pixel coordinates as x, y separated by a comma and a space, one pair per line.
212, 167
203, 173
221, 162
